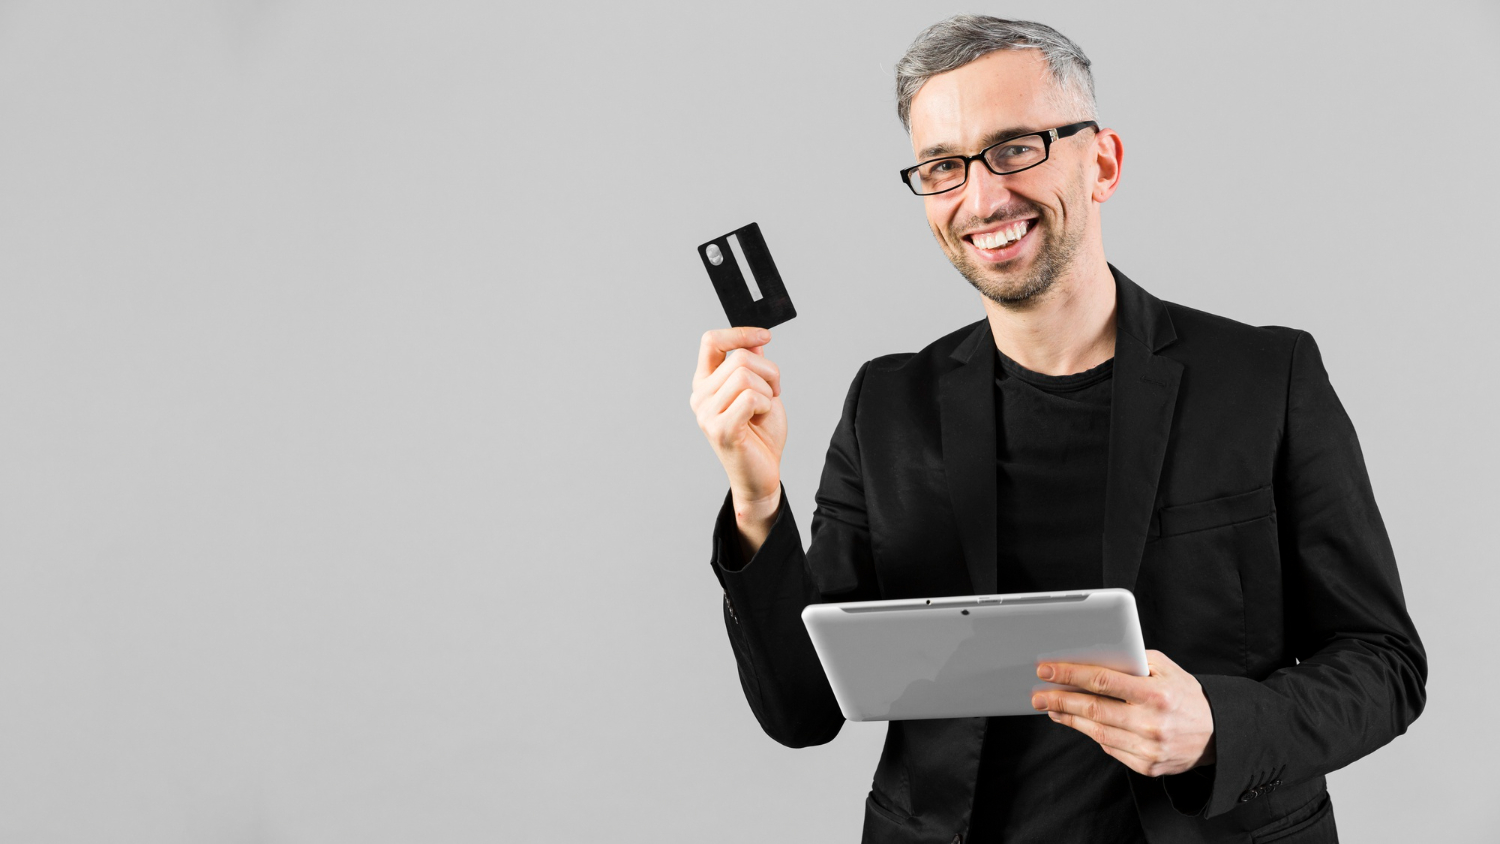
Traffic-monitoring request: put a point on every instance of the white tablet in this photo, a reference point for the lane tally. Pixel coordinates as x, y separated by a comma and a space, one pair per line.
968, 656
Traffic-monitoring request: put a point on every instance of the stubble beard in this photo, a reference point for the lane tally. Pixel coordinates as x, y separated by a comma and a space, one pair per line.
1054, 257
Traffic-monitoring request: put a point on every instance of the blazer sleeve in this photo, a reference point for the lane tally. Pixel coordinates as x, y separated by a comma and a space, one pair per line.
1361, 674
764, 597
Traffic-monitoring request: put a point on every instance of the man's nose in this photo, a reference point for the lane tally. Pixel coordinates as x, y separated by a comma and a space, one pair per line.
984, 193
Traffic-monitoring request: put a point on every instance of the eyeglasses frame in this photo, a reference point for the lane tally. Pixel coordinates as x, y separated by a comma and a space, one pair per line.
1048, 136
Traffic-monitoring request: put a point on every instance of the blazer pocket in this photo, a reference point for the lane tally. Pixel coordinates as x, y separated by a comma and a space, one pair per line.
1190, 589
1215, 512
880, 805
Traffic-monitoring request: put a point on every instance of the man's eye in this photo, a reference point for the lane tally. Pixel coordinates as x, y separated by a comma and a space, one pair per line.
943, 167
1014, 151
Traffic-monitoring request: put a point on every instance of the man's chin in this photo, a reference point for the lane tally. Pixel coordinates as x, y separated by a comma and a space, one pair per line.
1011, 289
1013, 295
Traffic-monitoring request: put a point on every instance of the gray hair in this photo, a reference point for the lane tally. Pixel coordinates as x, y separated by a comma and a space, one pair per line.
961, 39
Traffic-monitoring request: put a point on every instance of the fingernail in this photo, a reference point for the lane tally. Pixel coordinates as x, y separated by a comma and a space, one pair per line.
763, 336
1054, 716
1038, 702
1044, 672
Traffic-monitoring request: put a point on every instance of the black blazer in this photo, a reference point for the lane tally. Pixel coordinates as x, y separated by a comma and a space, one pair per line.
1237, 509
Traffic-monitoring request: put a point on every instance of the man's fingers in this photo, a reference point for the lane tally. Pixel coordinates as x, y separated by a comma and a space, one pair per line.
1102, 710
745, 406
738, 380
1160, 664
757, 364
716, 343
1096, 679
1105, 735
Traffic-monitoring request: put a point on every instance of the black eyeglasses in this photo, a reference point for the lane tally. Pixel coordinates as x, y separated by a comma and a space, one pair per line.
1011, 155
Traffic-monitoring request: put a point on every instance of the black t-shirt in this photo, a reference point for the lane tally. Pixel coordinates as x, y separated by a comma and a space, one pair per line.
1039, 780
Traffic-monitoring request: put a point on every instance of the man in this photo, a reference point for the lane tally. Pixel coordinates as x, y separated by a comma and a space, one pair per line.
1084, 434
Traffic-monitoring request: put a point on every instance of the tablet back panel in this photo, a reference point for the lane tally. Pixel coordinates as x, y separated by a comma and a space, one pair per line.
967, 657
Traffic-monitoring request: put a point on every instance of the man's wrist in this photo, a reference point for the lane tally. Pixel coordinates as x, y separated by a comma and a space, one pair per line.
1210, 754
754, 519
749, 511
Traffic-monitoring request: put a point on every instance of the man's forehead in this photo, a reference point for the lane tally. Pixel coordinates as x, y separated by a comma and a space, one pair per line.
1003, 93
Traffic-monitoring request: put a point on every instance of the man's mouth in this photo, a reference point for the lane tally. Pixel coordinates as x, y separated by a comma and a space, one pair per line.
1002, 242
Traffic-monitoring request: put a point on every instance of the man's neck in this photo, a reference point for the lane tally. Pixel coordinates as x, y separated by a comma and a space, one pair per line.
1070, 329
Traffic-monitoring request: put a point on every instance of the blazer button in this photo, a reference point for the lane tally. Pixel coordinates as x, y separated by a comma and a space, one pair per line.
1248, 796
958, 838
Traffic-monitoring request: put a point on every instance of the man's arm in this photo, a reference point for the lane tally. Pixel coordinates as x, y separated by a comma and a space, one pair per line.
758, 558
1362, 671
764, 596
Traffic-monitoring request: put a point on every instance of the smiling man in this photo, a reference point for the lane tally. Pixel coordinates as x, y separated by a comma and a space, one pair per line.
1084, 434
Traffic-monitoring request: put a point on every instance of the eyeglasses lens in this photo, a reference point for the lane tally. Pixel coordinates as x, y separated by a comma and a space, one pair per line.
948, 173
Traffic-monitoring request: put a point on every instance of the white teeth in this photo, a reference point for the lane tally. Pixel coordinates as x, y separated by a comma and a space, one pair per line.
1003, 237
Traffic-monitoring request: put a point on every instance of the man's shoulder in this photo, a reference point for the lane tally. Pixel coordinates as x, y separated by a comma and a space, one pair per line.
935, 357
1203, 334
910, 380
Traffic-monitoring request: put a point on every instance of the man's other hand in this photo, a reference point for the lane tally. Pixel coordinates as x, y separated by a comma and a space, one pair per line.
1157, 725
737, 399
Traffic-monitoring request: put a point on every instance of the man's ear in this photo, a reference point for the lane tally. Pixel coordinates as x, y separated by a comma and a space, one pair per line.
1109, 154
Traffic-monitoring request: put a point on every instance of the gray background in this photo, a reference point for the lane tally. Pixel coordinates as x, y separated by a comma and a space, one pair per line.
348, 485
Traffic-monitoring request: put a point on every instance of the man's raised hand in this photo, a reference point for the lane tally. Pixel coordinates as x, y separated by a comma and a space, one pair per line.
736, 398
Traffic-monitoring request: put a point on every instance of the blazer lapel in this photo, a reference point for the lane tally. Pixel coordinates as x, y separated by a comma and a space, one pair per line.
966, 396
1143, 399
1140, 421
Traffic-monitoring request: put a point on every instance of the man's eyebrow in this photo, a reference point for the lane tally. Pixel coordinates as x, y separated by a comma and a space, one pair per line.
988, 140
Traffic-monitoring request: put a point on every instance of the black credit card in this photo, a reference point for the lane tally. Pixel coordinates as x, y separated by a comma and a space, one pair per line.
741, 305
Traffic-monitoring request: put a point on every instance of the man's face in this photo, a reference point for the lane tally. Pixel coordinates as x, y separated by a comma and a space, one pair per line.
1004, 93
